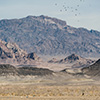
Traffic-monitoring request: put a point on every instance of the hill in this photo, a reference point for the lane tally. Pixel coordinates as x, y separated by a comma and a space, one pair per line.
7, 69
12, 54
93, 70
74, 60
50, 36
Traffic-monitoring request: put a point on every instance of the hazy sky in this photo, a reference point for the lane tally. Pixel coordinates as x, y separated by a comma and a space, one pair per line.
77, 13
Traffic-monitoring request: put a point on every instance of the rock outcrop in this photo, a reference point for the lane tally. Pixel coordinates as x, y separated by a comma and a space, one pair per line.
12, 54
74, 60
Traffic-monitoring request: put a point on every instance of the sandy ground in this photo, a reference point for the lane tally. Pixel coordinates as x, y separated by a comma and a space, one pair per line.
35, 92
51, 98
59, 86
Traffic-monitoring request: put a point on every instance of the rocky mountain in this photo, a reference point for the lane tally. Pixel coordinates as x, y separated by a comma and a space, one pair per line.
53, 60
93, 70
74, 60
51, 36
7, 69
11, 53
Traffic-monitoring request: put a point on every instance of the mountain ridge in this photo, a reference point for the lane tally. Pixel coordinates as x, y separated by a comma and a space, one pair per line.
7, 70
74, 60
12, 54
50, 36
92, 70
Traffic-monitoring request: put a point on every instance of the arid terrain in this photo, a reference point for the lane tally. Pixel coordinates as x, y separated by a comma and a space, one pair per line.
53, 86
70, 78
50, 36
25, 75
38, 92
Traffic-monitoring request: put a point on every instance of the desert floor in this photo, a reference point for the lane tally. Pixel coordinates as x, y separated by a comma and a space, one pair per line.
37, 92
51, 98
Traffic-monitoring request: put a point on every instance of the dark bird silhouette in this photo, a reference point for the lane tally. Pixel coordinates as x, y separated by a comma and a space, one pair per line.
63, 5
60, 10
75, 14
77, 5
76, 9
71, 7
72, 10
55, 4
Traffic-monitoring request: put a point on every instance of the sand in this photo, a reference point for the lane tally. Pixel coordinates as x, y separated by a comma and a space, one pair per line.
36, 92
50, 98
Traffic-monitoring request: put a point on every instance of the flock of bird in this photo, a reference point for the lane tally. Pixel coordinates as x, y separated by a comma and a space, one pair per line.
71, 9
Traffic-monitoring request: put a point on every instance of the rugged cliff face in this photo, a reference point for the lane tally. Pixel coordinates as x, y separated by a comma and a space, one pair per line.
51, 36
11, 53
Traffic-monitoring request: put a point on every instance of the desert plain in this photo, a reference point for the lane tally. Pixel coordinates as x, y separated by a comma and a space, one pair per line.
31, 92
41, 89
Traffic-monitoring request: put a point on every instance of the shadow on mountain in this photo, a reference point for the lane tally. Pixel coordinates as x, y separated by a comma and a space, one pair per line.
93, 70
6, 69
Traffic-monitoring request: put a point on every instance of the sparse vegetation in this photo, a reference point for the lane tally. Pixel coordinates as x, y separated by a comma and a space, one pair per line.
31, 91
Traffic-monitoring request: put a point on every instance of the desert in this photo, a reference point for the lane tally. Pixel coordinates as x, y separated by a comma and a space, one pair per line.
49, 50
26, 76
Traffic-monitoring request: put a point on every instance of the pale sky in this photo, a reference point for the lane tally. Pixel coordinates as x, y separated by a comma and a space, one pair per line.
77, 13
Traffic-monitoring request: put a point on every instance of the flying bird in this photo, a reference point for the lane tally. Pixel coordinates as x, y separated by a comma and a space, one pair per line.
76, 9
75, 14
55, 4
77, 5
71, 7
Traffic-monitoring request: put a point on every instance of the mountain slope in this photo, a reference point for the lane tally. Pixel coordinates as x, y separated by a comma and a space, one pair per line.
34, 71
46, 35
11, 53
7, 69
93, 70
74, 60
